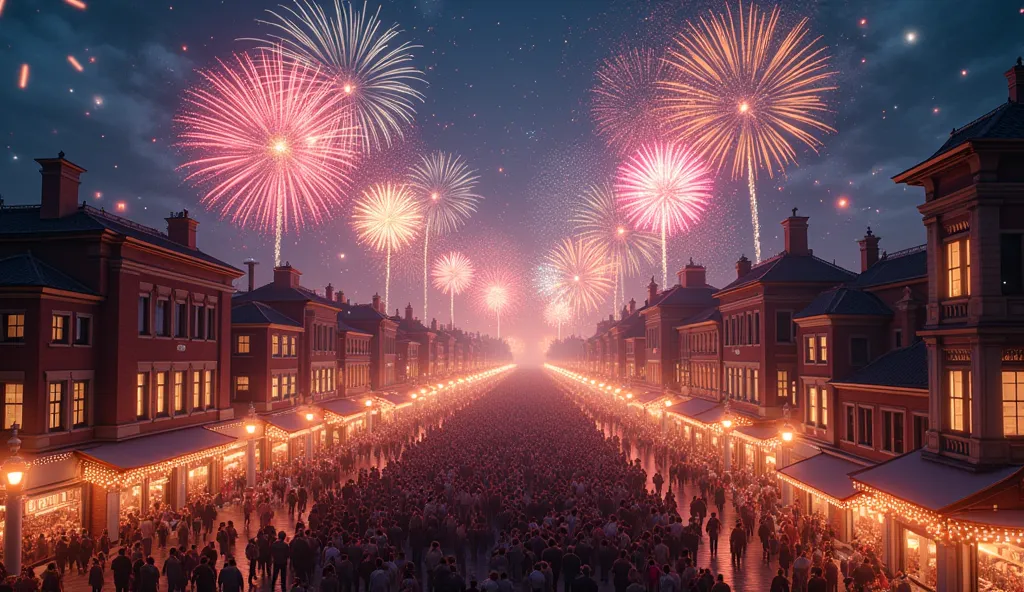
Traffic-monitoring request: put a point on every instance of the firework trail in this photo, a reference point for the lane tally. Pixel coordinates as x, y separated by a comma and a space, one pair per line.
387, 218
453, 274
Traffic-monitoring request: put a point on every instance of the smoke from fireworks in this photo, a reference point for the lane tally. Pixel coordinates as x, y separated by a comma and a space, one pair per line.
268, 141
445, 184
664, 188
370, 68
580, 274
742, 89
600, 219
453, 273
626, 98
387, 218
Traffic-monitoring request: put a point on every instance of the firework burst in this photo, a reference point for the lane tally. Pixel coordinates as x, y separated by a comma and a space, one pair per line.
387, 218
743, 89
453, 273
556, 314
445, 184
497, 291
600, 219
626, 98
370, 68
580, 274
663, 187
268, 142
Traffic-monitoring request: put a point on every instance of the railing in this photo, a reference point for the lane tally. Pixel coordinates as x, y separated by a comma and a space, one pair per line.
955, 444
954, 310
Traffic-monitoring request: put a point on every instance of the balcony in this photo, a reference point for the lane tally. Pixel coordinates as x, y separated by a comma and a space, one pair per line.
957, 445
954, 310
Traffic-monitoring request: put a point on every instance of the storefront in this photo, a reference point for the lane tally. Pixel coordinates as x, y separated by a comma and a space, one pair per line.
1001, 567
919, 558
346, 417
292, 433
47, 516
823, 488
760, 443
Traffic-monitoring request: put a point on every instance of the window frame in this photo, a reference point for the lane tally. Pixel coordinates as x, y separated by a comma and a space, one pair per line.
143, 388
76, 409
65, 327
867, 411
1017, 402
962, 377
810, 349
55, 408
889, 416
791, 324
76, 338
145, 315
959, 274
6, 326
20, 404
849, 423
245, 339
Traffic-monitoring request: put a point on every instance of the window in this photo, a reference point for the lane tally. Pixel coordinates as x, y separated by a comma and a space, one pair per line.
275, 388
823, 419
79, 388
850, 434
1011, 264
899, 338
163, 318
960, 400
754, 387
291, 347
144, 315
161, 393
241, 384
865, 426
14, 328
242, 344
783, 327
958, 268
757, 327
1013, 403
810, 351
920, 430
198, 322
208, 390
859, 351
179, 391
782, 385
83, 330
812, 405
275, 346
197, 389
211, 322
55, 407
14, 402
141, 394
181, 319
822, 349
59, 326
892, 431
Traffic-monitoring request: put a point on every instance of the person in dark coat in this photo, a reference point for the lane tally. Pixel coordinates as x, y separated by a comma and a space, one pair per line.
571, 565
204, 579
51, 579
149, 576
329, 580
96, 576
230, 578
174, 571
585, 581
620, 572
817, 582
121, 567
713, 528
279, 554
779, 583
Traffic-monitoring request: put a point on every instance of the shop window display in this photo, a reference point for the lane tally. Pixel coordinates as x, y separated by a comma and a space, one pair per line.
919, 558
867, 528
198, 482
1001, 567
48, 517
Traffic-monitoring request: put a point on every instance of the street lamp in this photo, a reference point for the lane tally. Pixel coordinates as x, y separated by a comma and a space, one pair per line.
786, 437
14, 469
250, 447
727, 423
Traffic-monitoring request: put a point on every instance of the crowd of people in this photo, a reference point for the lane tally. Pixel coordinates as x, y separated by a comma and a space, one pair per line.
522, 488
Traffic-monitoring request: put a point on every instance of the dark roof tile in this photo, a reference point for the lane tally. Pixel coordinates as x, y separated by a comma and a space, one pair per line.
257, 313
903, 266
793, 268
1005, 121
25, 270
844, 301
904, 368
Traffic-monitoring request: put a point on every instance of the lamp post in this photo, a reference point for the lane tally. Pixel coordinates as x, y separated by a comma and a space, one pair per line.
250, 447
726, 437
786, 441
14, 469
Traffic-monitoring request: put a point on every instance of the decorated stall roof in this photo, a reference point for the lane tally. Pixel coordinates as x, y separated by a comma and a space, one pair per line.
823, 475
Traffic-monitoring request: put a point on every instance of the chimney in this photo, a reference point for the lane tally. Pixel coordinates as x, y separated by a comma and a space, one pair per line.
632, 306
652, 290
868, 250
1015, 82
742, 266
795, 228
433, 324
61, 179
408, 311
251, 264
693, 275
182, 229
286, 276
341, 297
625, 312
375, 302
329, 292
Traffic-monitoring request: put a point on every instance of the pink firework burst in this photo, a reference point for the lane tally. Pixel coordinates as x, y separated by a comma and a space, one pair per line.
663, 187
626, 97
268, 142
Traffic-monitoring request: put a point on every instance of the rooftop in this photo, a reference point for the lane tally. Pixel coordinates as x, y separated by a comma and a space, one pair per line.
25, 270
784, 268
844, 301
257, 313
903, 368
274, 292
1005, 121
893, 268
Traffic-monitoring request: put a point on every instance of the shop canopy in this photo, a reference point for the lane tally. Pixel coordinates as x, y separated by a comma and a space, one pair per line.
823, 475
931, 485
760, 433
290, 421
692, 408
344, 408
645, 397
395, 399
157, 448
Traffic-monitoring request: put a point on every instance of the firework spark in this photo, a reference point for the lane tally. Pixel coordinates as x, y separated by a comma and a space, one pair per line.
76, 4
498, 287
453, 273
387, 218
626, 97
742, 90
664, 188
368, 65
557, 313
600, 219
23, 76
445, 184
75, 63
580, 274
268, 140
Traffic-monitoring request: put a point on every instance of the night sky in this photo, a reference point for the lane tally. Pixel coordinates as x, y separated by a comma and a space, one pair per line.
509, 85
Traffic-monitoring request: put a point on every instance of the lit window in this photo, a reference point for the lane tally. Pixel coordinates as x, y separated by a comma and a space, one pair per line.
59, 328
78, 393
809, 350
14, 401
242, 344
960, 400
812, 405
208, 390
958, 268
197, 389
291, 347
782, 384
1013, 403
55, 410
141, 394
161, 393
179, 391
241, 383
275, 388
14, 328
822, 349
275, 345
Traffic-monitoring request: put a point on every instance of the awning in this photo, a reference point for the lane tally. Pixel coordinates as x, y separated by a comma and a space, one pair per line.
344, 408
763, 434
646, 397
290, 421
396, 399
931, 485
157, 448
692, 408
823, 475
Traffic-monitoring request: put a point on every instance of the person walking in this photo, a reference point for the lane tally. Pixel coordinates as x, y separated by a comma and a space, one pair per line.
230, 578
121, 567
279, 554
713, 528
96, 576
